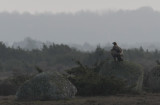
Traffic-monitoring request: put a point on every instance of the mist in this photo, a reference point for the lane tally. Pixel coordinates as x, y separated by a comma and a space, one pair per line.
127, 27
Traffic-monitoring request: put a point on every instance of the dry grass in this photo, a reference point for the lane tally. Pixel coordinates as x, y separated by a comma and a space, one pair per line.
148, 99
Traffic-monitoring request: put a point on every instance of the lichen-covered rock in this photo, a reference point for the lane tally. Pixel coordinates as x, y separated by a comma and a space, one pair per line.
130, 72
46, 86
154, 79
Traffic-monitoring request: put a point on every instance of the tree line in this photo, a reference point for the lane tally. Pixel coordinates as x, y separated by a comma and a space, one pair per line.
60, 57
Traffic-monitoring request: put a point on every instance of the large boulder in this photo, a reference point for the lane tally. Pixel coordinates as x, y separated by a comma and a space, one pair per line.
46, 86
153, 81
130, 72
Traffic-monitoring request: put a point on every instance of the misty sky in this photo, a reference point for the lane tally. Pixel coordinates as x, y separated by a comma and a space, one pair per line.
55, 6
84, 26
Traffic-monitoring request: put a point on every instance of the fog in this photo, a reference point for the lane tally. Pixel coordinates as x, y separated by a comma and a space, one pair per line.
56, 6
127, 27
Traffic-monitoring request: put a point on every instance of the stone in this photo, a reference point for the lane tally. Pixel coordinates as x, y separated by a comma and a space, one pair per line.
130, 72
46, 86
153, 81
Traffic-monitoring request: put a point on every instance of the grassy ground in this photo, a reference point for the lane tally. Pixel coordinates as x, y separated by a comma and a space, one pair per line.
148, 99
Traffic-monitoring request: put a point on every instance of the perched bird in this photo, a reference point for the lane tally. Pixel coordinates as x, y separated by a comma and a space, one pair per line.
38, 69
117, 52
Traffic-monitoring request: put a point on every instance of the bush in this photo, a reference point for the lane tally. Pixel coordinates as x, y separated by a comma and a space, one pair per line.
7, 88
90, 83
132, 73
10, 85
153, 80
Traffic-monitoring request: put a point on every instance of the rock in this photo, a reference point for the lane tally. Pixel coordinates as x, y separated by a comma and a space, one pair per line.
46, 86
154, 79
130, 72
10, 85
7, 88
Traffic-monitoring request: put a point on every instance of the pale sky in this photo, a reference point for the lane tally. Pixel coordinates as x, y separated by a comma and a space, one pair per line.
76, 29
55, 6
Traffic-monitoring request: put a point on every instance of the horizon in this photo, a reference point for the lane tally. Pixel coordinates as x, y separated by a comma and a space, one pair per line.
97, 12
30, 44
72, 6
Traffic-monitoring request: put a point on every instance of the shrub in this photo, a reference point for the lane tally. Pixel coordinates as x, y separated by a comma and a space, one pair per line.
90, 83
7, 88
131, 72
10, 85
153, 81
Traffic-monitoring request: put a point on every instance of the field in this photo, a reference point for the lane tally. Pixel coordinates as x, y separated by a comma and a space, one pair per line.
147, 99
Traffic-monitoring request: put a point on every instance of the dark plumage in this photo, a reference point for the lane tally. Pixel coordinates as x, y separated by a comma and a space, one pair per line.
38, 69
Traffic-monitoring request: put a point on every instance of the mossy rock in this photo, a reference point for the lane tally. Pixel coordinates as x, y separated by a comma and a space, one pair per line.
7, 88
154, 79
10, 85
46, 86
130, 72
